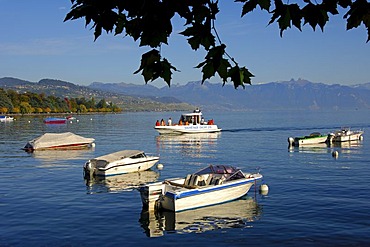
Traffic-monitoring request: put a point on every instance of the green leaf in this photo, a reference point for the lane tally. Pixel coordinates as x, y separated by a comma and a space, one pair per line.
166, 71
152, 67
208, 71
315, 15
239, 76
250, 5
200, 34
357, 14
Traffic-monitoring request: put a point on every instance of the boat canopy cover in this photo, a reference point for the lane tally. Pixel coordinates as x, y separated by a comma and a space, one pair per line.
48, 140
218, 169
120, 155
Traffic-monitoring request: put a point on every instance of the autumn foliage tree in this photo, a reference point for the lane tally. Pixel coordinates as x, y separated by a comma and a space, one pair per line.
150, 23
26, 103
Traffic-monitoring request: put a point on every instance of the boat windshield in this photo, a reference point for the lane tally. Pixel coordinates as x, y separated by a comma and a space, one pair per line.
191, 118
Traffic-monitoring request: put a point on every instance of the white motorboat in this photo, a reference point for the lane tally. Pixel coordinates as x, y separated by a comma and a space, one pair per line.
212, 185
66, 140
6, 118
346, 134
313, 138
120, 162
189, 123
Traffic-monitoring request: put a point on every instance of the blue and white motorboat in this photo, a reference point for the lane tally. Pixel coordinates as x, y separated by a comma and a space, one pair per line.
212, 185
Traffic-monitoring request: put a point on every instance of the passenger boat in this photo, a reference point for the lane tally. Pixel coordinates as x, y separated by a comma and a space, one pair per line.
193, 122
212, 185
120, 162
346, 134
55, 120
66, 140
313, 138
6, 118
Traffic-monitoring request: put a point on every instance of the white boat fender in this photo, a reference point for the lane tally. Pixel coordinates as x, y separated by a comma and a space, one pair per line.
335, 154
160, 167
361, 137
264, 189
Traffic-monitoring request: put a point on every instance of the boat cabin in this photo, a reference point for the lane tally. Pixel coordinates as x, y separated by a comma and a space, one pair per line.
192, 118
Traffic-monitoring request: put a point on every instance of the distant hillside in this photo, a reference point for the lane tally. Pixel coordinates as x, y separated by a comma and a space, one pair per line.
64, 89
293, 94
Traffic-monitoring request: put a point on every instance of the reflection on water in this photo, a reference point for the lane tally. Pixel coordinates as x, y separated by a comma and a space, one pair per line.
121, 182
56, 157
348, 147
349, 144
311, 148
191, 145
342, 147
236, 214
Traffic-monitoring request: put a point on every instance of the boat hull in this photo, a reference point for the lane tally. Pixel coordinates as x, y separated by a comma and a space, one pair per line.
186, 129
310, 141
122, 167
61, 147
55, 121
205, 197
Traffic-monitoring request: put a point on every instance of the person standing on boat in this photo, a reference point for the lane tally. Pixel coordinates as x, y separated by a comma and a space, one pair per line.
169, 121
157, 123
163, 123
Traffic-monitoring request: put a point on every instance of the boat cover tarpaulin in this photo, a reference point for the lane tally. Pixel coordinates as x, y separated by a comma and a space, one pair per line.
118, 155
55, 140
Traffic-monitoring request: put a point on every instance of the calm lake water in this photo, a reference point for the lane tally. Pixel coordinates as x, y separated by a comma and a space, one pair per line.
314, 199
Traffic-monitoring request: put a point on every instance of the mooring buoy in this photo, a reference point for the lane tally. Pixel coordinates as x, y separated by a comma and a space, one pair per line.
264, 189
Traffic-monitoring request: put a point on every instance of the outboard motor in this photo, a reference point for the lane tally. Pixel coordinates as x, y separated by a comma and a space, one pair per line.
291, 141
330, 138
89, 170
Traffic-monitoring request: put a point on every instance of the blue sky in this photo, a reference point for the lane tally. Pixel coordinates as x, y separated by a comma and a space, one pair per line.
35, 44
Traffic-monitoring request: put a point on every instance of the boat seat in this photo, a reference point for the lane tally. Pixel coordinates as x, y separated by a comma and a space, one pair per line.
215, 180
202, 181
187, 179
191, 180
194, 180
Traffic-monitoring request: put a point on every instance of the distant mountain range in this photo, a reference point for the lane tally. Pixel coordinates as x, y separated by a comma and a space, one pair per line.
294, 94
